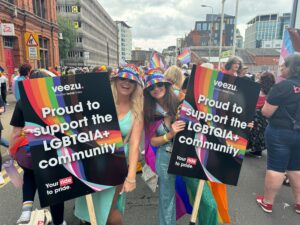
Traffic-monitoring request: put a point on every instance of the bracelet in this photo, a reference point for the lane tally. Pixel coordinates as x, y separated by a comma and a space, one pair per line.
166, 138
130, 181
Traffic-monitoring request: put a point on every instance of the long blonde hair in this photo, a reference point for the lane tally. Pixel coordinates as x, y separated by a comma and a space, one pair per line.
136, 99
175, 76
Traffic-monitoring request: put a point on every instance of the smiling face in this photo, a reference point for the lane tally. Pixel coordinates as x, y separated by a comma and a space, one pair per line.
125, 86
157, 91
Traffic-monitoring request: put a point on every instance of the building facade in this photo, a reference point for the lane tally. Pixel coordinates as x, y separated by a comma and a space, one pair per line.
209, 31
265, 28
141, 57
169, 55
29, 33
239, 39
124, 41
97, 36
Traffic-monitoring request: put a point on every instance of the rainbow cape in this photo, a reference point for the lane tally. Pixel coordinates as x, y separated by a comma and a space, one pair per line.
185, 56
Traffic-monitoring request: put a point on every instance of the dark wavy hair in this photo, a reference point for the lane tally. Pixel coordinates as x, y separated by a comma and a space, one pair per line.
38, 74
267, 80
171, 103
292, 62
232, 60
25, 69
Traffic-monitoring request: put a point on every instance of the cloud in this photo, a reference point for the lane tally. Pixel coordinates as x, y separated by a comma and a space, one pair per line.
161, 21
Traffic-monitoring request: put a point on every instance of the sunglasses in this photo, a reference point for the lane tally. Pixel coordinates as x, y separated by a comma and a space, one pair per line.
125, 79
159, 85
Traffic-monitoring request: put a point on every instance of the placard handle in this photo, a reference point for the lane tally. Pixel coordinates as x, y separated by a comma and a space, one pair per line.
197, 202
90, 205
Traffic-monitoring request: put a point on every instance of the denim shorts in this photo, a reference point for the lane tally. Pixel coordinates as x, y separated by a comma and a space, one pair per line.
283, 147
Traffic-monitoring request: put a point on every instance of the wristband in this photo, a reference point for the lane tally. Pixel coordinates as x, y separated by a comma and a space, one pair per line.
166, 138
130, 181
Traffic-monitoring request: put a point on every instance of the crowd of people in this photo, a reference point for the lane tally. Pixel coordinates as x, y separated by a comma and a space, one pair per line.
151, 104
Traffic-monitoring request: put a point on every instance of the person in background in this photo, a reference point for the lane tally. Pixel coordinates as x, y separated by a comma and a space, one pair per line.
128, 95
174, 75
1, 128
24, 71
233, 66
256, 139
3, 83
282, 136
283, 73
18, 140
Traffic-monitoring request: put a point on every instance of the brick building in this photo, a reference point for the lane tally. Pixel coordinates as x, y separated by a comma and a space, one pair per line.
29, 33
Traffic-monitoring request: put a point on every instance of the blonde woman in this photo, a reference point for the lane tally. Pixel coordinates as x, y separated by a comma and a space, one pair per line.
127, 88
175, 76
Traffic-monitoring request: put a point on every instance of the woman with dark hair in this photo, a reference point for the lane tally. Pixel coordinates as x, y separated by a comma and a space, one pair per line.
282, 135
233, 66
160, 109
256, 139
18, 140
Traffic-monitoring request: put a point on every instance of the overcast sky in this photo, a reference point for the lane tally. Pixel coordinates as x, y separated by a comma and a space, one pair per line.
157, 23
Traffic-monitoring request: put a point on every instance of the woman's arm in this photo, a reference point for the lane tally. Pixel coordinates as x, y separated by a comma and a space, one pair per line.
15, 134
134, 143
175, 128
268, 109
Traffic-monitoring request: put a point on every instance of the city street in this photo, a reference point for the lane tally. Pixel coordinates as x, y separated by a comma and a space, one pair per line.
142, 204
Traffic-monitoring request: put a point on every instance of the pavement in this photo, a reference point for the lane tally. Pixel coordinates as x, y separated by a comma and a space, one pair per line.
141, 208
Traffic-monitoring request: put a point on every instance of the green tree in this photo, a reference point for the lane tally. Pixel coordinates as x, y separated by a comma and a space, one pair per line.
68, 31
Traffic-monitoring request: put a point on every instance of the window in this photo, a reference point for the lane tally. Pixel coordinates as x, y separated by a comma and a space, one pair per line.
8, 42
79, 39
39, 8
44, 54
10, 1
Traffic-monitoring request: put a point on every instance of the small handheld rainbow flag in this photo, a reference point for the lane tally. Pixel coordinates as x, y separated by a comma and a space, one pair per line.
156, 61
185, 56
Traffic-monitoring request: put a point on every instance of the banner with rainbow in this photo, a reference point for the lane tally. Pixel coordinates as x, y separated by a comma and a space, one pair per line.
217, 109
290, 43
74, 135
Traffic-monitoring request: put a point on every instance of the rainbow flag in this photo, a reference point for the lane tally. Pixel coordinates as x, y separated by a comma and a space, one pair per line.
290, 38
156, 61
185, 56
186, 190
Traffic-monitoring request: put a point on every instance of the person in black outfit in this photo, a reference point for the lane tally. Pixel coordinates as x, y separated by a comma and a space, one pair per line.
282, 136
29, 185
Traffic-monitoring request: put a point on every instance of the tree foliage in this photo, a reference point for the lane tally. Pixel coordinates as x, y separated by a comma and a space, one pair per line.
68, 31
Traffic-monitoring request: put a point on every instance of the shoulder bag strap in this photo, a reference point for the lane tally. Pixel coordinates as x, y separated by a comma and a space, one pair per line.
126, 140
289, 115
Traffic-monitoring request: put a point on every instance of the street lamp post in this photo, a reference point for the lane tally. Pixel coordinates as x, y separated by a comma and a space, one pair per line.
235, 25
211, 29
221, 33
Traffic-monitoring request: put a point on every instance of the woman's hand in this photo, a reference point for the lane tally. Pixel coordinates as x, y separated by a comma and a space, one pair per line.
177, 126
128, 186
250, 125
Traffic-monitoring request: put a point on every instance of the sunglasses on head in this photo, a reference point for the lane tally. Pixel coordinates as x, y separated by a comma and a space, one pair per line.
152, 87
125, 79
